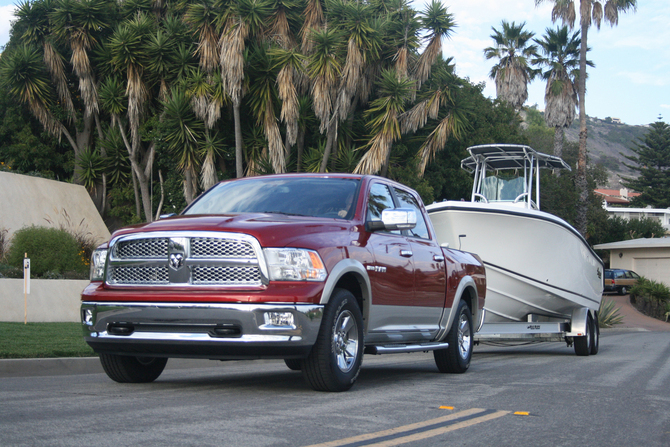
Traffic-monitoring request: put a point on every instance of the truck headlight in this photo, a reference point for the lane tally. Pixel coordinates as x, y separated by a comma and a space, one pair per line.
98, 259
294, 264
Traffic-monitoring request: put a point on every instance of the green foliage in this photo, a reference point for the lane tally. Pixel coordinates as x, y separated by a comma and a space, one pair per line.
620, 229
650, 290
608, 314
49, 250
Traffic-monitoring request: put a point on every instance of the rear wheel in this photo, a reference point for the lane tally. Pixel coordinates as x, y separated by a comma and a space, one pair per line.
335, 360
623, 290
456, 358
129, 369
583, 344
293, 364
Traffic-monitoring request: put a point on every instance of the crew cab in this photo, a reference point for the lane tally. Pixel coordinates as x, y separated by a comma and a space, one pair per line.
315, 269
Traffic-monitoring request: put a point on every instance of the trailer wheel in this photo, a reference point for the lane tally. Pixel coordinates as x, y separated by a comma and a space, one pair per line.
584, 344
456, 358
129, 369
335, 360
595, 340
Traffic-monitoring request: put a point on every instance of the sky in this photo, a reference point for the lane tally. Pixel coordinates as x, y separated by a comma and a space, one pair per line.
631, 79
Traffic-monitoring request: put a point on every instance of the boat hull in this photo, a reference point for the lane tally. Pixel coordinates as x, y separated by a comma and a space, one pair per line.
536, 263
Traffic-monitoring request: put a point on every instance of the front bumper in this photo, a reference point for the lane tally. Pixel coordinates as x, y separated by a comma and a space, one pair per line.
209, 330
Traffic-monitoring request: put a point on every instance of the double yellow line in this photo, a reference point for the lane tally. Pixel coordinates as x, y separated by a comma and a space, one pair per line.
420, 430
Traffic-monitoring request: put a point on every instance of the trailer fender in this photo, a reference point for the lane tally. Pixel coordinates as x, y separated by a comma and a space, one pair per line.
578, 322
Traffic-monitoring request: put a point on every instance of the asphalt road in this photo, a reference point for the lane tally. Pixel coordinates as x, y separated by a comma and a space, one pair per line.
617, 398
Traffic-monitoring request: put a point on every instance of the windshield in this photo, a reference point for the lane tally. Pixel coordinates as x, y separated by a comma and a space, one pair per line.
499, 187
317, 197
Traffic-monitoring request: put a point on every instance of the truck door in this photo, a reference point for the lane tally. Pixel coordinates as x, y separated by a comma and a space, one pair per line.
430, 281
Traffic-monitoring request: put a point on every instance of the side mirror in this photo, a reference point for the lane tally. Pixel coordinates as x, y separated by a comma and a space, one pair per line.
395, 219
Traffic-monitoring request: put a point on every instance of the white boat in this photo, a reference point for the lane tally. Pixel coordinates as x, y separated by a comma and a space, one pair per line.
539, 268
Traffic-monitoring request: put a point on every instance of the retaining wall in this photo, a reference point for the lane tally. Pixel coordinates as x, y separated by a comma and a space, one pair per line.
50, 300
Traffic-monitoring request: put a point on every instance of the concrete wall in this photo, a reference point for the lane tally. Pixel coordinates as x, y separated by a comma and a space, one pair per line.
30, 201
50, 300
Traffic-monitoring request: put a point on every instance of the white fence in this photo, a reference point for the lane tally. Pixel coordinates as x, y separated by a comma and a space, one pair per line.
50, 300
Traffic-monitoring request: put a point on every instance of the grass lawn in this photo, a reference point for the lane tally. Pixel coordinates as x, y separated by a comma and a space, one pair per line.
42, 340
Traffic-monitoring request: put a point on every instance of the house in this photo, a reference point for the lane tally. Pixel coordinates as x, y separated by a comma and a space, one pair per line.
647, 257
616, 197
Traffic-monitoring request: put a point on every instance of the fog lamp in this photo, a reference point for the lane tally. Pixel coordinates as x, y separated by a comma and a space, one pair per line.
87, 317
284, 320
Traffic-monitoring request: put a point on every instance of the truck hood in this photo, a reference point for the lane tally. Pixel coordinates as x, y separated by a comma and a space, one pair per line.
271, 230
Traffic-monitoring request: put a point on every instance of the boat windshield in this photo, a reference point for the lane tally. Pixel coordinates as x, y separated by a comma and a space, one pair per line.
498, 188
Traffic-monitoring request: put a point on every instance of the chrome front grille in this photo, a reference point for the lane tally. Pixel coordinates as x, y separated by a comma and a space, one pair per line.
226, 275
139, 275
186, 259
149, 248
209, 247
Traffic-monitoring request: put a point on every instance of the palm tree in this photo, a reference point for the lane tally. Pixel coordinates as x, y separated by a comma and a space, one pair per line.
561, 58
439, 24
513, 71
589, 11
34, 16
244, 18
324, 70
384, 114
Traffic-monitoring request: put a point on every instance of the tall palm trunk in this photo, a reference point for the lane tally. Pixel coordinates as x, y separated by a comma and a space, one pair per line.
558, 141
582, 204
239, 168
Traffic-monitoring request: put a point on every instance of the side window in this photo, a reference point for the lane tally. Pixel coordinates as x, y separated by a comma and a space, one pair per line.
407, 201
379, 200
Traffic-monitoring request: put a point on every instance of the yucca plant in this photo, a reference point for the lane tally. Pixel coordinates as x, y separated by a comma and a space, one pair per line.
608, 315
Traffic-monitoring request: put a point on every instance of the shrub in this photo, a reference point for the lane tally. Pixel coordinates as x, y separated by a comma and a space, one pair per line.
50, 250
650, 290
608, 315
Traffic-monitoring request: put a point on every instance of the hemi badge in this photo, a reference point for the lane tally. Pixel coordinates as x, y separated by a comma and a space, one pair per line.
376, 268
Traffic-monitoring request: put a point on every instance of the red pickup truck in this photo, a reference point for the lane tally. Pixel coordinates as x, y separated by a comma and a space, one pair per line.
315, 269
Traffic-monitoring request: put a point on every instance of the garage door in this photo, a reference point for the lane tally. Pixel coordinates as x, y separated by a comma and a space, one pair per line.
657, 269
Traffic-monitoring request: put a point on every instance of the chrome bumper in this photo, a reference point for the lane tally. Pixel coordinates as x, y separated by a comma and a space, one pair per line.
215, 331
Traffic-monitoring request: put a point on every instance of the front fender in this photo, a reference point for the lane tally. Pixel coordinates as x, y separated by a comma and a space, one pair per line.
358, 271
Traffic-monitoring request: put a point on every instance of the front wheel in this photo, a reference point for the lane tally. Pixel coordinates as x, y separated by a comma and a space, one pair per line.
129, 369
335, 360
456, 358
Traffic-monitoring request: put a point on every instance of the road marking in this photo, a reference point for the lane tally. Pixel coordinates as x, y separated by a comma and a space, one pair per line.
414, 432
522, 413
444, 407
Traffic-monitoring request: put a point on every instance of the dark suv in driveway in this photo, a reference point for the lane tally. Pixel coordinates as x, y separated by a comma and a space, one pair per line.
619, 280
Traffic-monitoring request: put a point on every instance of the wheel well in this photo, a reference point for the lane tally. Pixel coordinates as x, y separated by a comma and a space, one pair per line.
469, 298
351, 283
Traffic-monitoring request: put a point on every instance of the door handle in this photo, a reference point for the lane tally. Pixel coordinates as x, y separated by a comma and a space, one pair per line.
406, 253
438, 258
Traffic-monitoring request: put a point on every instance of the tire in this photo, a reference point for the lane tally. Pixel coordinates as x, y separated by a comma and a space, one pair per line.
456, 358
293, 364
623, 290
595, 340
336, 357
129, 369
583, 344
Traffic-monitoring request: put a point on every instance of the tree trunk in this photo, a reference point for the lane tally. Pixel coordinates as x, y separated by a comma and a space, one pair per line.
300, 147
332, 136
558, 141
582, 203
239, 167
